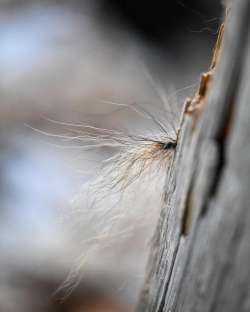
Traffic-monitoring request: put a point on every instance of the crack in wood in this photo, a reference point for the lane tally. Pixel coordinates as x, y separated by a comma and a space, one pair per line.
188, 212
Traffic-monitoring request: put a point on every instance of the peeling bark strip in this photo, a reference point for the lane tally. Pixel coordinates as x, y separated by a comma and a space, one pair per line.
201, 252
196, 104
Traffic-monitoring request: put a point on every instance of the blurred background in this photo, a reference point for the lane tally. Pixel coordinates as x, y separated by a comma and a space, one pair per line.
67, 62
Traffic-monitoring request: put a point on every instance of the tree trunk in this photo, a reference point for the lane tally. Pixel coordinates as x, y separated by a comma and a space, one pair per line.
200, 259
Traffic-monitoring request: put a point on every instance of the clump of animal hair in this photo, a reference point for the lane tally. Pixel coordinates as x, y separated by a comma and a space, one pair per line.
135, 155
111, 214
137, 158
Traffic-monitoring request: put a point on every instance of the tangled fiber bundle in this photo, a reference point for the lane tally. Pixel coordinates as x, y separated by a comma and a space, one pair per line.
125, 196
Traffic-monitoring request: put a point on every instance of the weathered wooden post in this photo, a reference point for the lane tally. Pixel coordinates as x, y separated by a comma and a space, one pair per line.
200, 258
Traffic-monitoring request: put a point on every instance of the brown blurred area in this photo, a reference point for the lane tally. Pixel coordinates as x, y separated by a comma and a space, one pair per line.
64, 62
29, 293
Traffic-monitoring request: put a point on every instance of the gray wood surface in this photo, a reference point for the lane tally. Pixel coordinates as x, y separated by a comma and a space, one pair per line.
200, 258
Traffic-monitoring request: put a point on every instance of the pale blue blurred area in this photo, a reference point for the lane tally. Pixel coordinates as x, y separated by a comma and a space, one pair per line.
37, 185
23, 41
25, 37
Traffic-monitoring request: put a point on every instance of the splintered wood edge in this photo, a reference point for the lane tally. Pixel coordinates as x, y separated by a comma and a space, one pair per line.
195, 105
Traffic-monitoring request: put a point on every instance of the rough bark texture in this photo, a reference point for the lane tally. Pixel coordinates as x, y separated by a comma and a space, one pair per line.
201, 252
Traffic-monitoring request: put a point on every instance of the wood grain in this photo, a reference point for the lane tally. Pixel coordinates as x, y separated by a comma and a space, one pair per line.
201, 249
